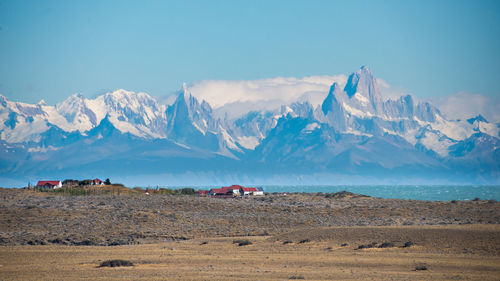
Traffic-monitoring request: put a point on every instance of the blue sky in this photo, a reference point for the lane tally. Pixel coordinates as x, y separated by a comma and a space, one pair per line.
52, 49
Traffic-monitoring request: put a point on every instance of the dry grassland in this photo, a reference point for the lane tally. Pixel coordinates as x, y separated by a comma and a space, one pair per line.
302, 236
268, 258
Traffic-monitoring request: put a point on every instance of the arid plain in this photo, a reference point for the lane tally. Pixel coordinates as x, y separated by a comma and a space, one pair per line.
300, 236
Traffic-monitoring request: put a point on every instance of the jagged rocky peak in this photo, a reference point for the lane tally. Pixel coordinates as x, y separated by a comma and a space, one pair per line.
191, 103
363, 82
188, 111
330, 101
186, 99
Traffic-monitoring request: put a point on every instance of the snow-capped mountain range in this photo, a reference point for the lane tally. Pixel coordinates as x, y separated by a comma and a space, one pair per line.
354, 132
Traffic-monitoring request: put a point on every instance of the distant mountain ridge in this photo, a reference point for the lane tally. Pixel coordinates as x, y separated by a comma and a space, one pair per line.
354, 132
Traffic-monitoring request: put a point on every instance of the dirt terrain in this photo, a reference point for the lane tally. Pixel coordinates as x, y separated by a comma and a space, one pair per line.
267, 258
339, 236
37, 218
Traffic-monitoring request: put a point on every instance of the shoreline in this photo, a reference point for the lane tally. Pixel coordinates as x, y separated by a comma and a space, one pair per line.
399, 192
435, 193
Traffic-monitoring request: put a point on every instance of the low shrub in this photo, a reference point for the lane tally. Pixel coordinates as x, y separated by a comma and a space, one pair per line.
304, 241
421, 267
386, 245
293, 277
116, 263
186, 191
287, 242
367, 246
245, 243
57, 241
118, 243
408, 244
242, 242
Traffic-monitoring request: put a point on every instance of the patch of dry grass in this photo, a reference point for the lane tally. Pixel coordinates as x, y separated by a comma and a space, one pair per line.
38, 218
265, 259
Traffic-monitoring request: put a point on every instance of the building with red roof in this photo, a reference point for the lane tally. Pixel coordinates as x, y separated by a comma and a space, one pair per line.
49, 184
97, 182
219, 192
235, 189
247, 190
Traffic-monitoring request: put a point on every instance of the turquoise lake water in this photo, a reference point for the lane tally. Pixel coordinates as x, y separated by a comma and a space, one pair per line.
417, 192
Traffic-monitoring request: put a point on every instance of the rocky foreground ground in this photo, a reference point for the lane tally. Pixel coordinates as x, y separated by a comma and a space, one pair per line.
35, 218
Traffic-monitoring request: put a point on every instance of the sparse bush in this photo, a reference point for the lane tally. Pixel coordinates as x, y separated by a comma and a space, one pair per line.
36, 242
408, 244
85, 182
305, 240
293, 277
421, 267
242, 242
367, 246
57, 241
344, 245
186, 191
287, 242
166, 191
117, 243
204, 243
386, 245
70, 182
245, 243
86, 242
116, 263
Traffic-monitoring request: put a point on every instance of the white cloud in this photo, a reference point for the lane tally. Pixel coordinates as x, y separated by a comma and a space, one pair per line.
387, 91
465, 105
237, 97
221, 92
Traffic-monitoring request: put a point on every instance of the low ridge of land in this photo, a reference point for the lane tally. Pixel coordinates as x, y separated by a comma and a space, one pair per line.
30, 217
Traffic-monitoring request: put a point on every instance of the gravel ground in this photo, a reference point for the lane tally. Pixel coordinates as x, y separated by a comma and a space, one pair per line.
28, 217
